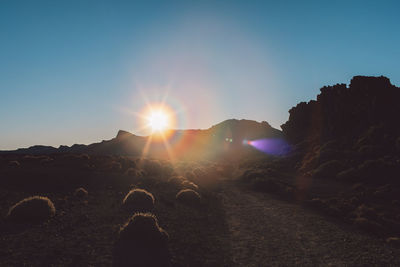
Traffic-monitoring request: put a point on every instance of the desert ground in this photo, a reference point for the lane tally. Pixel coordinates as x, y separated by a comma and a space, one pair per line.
230, 224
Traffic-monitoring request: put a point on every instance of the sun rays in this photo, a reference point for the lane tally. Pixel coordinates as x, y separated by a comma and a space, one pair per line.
157, 119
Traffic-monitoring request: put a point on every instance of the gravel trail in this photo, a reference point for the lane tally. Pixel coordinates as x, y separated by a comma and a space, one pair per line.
266, 231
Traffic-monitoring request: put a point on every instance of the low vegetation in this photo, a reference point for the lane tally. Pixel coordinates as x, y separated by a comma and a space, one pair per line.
81, 193
95, 224
34, 209
142, 242
138, 200
189, 197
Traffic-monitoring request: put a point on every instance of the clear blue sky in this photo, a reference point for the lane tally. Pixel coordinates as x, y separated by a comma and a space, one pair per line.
74, 71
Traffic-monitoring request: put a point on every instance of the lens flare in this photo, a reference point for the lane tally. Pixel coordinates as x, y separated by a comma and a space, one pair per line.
271, 146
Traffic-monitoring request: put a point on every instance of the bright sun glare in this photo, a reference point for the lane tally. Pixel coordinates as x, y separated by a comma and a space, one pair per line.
158, 120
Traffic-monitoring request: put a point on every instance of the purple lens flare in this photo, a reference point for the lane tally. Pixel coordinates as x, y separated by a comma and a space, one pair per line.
271, 146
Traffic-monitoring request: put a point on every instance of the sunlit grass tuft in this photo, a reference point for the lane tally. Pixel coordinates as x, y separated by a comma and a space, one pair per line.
139, 200
32, 210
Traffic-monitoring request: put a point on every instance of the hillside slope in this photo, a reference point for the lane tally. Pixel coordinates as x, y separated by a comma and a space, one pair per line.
225, 138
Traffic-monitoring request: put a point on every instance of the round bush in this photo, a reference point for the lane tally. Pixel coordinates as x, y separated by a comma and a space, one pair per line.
14, 164
175, 181
189, 185
188, 196
190, 176
134, 172
81, 193
141, 242
168, 169
199, 173
152, 167
46, 161
138, 200
115, 166
32, 210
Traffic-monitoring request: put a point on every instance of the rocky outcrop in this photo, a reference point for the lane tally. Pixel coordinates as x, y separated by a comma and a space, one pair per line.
346, 113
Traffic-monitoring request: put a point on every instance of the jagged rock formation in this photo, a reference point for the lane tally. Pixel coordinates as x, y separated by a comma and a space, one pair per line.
349, 133
346, 113
345, 157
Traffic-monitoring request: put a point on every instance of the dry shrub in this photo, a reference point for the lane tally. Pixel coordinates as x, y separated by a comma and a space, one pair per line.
32, 210
108, 164
363, 211
85, 157
31, 159
199, 172
188, 196
310, 160
349, 175
387, 192
141, 242
139, 200
225, 170
328, 169
251, 174
189, 185
152, 167
75, 161
46, 161
317, 204
395, 241
126, 162
114, 166
368, 225
190, 176
176, 181
168, 169
265, 185
14, 164
81, 193
205, 178
379, 170
371, 151
136, 177
134, 173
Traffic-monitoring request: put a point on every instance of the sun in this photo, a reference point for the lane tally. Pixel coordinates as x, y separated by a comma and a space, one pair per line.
158, 120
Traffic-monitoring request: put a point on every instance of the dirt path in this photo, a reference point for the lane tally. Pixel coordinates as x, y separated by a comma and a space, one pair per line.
269, 232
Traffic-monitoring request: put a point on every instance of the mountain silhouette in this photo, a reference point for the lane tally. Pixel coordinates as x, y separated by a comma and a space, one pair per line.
221, 138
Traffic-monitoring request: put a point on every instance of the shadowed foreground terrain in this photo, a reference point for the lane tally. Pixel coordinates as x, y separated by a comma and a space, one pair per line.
85, 227
231, 226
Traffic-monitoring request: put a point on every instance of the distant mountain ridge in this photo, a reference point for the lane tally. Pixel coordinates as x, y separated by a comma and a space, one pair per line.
227, 135
365, 113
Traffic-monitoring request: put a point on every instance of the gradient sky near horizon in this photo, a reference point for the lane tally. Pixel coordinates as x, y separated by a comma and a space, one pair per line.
77, 71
